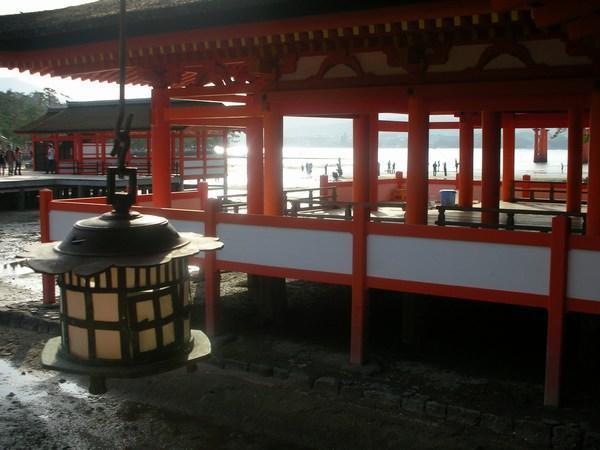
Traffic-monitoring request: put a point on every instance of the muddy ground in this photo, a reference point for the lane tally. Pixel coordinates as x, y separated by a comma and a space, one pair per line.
290, 385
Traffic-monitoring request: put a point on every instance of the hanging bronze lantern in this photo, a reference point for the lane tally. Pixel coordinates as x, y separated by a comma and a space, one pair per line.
125, 293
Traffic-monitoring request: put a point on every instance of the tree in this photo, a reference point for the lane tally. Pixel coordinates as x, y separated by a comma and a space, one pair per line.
18, 109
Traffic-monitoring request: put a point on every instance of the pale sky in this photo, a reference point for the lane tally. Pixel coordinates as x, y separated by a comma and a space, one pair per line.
73, 90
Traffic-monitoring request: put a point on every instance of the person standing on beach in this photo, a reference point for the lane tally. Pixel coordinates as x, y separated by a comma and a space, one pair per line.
18, 160
10, 160
2, 162
50, 161
445, 169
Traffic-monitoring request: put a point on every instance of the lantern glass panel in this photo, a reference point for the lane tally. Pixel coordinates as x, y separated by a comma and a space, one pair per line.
106, 307
145, 310
168, 331
153, 275
78, 342
186, 330
166, 306
108, 344
102, 280
130, 277
76, 305
147, 339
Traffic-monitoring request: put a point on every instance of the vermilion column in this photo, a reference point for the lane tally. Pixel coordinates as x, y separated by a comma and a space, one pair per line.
593, 214
490, 166
574, 159
161, 149
508, 157
373, 157
361, 169
273, 174
465, 174
254, 165
417, 173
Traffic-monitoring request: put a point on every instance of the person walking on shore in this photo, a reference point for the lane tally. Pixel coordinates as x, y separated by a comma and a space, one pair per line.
10, 160
50, 161
2, 162
18, 161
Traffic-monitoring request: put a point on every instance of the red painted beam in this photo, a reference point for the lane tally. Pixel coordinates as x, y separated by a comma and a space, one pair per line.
181, 114
552, 13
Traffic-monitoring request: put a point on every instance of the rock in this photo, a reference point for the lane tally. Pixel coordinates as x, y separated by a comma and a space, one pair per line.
591, 441
235, 364
534, 432
300, 380
435, 409
261, 369
328, 385
463, 416
497, 424
566, 437
383, 396
281, 373
414, 403
351, 392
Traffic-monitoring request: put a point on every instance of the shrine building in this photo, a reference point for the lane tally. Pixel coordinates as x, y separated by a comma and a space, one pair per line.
497, 64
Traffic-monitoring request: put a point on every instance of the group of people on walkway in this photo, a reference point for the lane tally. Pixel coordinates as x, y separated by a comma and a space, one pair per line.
11, 158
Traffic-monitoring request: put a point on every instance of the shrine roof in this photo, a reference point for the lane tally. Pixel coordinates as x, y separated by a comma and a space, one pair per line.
98, 21
93, 116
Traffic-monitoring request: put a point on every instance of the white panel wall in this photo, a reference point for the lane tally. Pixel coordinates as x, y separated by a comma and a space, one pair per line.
583, 281
518, 268
188, 225
316, 250
61, 222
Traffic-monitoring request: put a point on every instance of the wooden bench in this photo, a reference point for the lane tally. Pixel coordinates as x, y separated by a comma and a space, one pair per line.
510, 223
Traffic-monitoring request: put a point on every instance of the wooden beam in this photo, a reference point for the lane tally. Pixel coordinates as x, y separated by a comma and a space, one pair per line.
552, 13
585, 26
180, 115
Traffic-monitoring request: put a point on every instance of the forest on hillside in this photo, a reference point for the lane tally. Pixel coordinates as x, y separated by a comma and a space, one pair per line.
18, 109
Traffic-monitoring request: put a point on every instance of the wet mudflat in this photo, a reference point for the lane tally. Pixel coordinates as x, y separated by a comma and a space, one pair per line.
208, 409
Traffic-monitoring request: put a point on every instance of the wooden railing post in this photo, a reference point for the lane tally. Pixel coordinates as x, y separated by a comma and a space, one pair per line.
359, 284
559, 251
48, 281
212, 280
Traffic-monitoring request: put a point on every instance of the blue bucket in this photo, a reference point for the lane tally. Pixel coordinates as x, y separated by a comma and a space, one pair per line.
447, 197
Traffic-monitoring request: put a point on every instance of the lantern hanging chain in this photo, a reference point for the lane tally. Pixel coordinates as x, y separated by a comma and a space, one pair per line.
122, 140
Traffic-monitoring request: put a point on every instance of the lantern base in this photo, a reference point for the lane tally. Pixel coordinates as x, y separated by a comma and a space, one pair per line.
52, 358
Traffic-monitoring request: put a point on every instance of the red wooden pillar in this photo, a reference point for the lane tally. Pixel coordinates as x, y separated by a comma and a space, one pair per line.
360, 195
273, 165
465, 174
359, 284
254, 166
373, 159
417, 171
212, 280
48, 281
556, 309
361, 168
161, 149
508, 157
586, 147
202, 188
536, 144
490, 165
574, 159
593, 197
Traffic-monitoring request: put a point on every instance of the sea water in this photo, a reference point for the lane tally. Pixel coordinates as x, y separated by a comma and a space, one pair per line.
295, 160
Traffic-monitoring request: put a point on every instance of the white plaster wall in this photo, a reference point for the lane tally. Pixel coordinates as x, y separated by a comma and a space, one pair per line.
61, 222
192, 226
583, 281
517, 268
327, 251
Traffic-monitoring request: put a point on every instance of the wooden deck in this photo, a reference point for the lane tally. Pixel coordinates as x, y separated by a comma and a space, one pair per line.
539, 218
